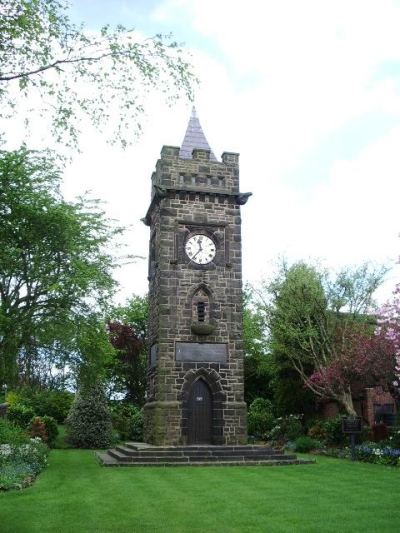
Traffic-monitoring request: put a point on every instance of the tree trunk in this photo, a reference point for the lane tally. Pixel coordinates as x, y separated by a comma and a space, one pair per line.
8, 361
346, 400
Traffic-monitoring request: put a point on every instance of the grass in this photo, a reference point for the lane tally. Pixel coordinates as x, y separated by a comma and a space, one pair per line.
75, 494
60, 442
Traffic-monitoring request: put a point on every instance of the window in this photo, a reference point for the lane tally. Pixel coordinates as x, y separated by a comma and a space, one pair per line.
201, 311
201, 306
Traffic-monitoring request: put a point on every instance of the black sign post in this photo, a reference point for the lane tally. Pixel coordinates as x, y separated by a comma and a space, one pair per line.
352, 425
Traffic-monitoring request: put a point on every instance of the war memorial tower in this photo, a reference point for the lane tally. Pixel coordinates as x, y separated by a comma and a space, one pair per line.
195, 368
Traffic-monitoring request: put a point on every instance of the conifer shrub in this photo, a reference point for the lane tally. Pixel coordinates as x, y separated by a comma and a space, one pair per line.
89, 421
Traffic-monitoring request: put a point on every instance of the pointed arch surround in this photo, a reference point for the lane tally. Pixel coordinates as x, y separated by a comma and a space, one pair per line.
212, 379
200, 302
201, 306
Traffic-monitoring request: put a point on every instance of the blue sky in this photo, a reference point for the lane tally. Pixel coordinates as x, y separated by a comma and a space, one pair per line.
307, 92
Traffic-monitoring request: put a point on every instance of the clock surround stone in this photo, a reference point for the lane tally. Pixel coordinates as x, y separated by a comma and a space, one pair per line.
195, 196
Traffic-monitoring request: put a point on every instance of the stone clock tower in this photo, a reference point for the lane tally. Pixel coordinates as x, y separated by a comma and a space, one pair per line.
195, 374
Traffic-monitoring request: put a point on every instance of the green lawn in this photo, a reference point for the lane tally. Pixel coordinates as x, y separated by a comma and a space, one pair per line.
76, 495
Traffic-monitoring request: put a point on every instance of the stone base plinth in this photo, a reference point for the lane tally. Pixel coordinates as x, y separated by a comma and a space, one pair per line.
162, 423
235, 423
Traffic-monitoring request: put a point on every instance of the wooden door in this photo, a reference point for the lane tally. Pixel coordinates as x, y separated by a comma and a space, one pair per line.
200, 413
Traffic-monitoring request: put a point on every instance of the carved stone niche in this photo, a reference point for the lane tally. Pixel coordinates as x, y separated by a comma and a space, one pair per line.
201, 303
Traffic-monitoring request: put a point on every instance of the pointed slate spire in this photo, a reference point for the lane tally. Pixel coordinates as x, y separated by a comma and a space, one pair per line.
194, 138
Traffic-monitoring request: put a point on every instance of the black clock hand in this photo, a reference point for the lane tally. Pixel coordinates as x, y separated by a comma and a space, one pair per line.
198, 251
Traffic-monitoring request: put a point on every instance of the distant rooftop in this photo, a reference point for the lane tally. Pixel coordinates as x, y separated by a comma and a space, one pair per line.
194, 138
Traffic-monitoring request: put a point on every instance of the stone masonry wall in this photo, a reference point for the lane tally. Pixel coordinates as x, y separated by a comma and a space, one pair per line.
194, 196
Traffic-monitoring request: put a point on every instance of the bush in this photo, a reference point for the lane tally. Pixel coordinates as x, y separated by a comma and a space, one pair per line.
44, 427
286, 428
51, 427
260, 419
20, 415
394, 438
11, 433
333, 431
54, 403
317, 430
136, 426
13, 397
127, 420
89, 421
121, 415
38, 429
305, 444
44, 402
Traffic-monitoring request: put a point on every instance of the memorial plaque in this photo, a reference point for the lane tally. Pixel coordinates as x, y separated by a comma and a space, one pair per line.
352, 425
153, 355
201, 352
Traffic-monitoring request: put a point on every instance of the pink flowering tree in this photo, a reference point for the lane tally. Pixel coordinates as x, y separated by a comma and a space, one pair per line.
389, 327
362, 359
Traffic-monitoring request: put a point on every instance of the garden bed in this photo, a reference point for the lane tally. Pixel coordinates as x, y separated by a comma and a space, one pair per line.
21, 463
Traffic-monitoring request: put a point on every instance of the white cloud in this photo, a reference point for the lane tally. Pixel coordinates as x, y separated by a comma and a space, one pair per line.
277, 78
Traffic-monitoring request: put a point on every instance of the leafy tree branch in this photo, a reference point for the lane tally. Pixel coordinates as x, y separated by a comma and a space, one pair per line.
74, 73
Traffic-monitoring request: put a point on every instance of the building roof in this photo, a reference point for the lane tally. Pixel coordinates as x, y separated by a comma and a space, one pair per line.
194, 138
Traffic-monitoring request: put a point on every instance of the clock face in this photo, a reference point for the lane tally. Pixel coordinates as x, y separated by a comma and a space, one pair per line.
200, 249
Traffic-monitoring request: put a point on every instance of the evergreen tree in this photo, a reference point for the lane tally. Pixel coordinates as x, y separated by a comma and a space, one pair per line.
89, 421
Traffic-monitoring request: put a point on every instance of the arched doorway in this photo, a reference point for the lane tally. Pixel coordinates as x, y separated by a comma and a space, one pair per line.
200, 413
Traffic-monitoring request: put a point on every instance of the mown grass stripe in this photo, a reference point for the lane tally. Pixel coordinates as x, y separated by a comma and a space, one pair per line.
76, 494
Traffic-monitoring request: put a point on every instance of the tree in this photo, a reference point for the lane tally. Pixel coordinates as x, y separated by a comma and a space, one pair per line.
89, 421
91, 352
54, 262
257, 359
365, 359
127, 330
69, 72
389, 328
315, 323
296, 292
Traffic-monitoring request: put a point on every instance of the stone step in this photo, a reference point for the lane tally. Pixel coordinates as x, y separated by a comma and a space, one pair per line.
147, 447
148, 453
139, 454
152, 459
120, 456
109, 461
239, 458
268, 452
